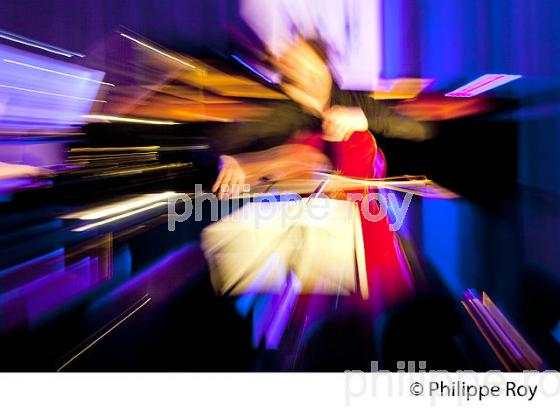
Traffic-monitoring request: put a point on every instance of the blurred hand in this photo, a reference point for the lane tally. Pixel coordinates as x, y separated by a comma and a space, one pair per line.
230, 178
339, 122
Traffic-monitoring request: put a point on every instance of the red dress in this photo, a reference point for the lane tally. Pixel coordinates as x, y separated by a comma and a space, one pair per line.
389, 275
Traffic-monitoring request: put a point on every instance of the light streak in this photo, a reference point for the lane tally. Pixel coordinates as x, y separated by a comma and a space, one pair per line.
36, 44
252, 69
128, 119
118, 217
178, 60
49, 93
482, 84
57, 72
119, 207
148, 300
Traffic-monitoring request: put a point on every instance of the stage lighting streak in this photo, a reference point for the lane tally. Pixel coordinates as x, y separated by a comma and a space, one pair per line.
105, 333
112, 118
509, 346
58, 72
482, 84
251, 68
53, 94
119, 207
36, 44
178, 60
119, 217
527, 351
496, 338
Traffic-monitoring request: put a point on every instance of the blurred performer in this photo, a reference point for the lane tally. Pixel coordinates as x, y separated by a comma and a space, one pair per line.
322, 116
318, 106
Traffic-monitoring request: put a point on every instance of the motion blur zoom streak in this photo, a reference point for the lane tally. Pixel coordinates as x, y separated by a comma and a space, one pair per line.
119, 207
37, 44
482, 84
35, 288
510, 347
92, 148
38, 92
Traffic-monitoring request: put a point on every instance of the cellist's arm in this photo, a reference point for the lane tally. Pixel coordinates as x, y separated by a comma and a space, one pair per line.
284, 161
384, 121
364, 113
